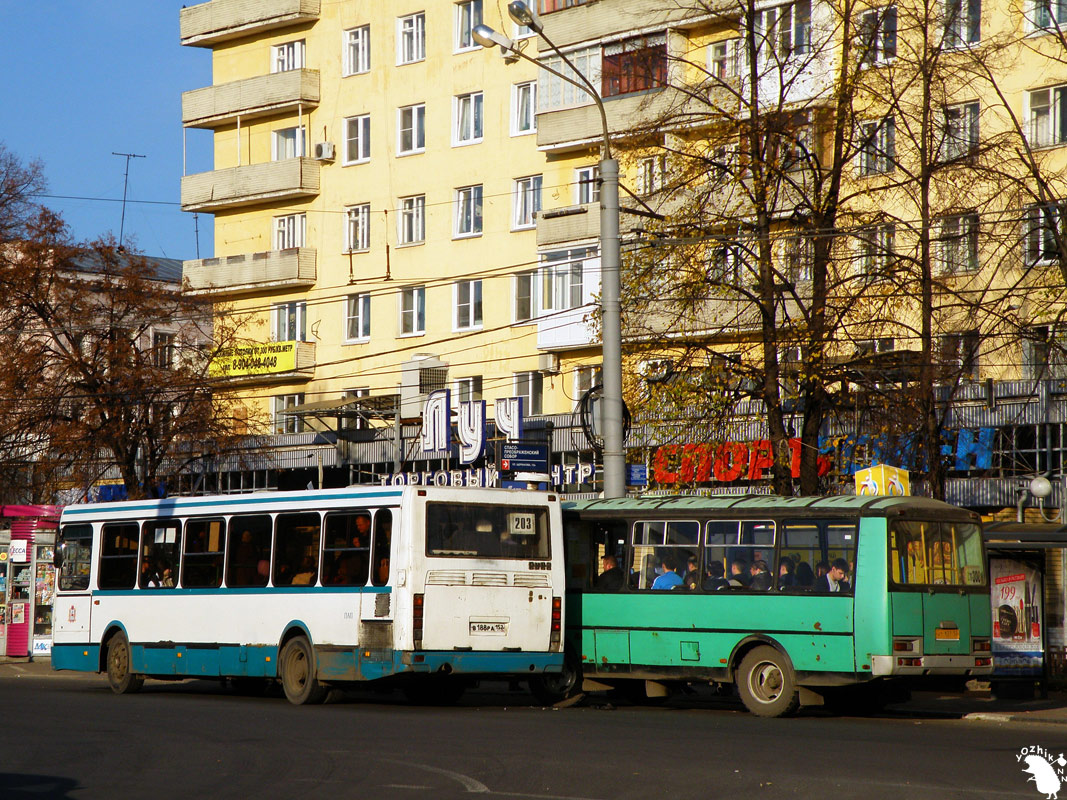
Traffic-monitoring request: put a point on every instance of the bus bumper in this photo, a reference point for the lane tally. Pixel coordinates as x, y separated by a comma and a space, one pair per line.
480, 663
79, 657
974, 664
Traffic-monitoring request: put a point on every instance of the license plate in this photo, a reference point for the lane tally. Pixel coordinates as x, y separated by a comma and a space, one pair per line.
947, 634
489, 628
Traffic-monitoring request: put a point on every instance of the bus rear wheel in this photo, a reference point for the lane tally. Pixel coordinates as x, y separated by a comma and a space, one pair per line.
555, 687
297, 668
766, 683
119, 666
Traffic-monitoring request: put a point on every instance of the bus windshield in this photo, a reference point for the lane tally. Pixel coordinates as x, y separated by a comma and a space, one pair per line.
937, 553
486, 531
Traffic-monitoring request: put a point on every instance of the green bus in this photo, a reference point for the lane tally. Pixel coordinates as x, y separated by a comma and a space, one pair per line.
731, 590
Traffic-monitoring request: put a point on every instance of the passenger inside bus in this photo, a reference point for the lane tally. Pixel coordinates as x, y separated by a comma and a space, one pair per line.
670, 577
739, 573
692, 573
611, 577
785, 573
715, 580
306, 575
834, 580
761, 577
803, 577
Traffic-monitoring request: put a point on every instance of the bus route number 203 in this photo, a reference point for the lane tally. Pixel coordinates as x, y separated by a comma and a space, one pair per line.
522, 524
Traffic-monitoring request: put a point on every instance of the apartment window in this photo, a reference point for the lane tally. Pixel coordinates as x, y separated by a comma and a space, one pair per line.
796, 141
290, 321
353, 421
553, 92
468, 15
413, 310
527, 201
290, 231
587, 185
411, 38
530, 387
651, 174
287, 143
411, 129
877, 147
585, 378
961, 131
469, 118
283, 422
1048, 122
468, 211
163, 347
959, 353
634, 65
524, 108
959, 244
357, 139
797, 257
468, 390
878, 35
357, 317
548, 6
877, 249
357, 50
721, 65
411, 221
561, 280
285, 57
963, 22
524, 295
724, 264
1043, 354
1048, 14
783, 31
1044, 229
468, 297
357, 227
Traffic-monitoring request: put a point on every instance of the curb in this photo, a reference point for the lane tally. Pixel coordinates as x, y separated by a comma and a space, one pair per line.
988, 716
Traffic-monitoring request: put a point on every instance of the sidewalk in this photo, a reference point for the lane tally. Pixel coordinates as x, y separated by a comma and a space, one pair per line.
39, 668
984, 707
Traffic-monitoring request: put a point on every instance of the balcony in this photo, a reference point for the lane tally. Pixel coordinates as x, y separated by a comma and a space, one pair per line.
268, 362
248, 273
567, 330
271, 181
578, 128
557, 226
207, 24
593, 21
278, 93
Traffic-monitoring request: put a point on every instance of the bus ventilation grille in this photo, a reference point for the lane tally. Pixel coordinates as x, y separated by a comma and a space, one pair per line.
532, 580
489, 579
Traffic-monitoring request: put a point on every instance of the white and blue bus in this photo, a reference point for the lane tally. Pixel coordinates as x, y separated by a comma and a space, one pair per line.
425, 587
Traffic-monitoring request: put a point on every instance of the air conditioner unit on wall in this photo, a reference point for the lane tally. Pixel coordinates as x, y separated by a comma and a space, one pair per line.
548, 364
324, 151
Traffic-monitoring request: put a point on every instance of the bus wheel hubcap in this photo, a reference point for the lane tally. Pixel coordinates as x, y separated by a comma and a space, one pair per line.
766, 682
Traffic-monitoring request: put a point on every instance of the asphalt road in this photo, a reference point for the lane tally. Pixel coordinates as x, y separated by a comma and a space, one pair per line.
72, 738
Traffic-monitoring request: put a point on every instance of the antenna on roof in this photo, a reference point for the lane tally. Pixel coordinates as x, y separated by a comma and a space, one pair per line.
125, 184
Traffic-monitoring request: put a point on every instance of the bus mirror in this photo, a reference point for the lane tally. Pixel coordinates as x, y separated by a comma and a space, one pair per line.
57, 557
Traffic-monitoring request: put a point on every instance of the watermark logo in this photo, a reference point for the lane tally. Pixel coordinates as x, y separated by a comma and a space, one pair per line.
1047, 771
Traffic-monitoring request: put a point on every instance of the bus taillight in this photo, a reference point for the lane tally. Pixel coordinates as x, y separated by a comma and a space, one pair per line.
980, 645
557, 620
416, 619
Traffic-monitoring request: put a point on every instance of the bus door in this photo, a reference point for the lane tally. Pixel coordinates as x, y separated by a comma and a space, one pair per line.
73, 604
489, 577
944, 559
377, 602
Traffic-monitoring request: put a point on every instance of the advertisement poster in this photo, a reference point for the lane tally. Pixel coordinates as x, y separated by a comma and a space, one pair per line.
1016, 601
18, 613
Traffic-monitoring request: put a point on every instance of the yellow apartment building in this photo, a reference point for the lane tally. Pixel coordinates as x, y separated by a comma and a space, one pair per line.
375, 188
955, 184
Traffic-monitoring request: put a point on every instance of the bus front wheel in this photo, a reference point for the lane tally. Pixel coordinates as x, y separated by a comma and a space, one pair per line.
766, 683
297, 670
120, 674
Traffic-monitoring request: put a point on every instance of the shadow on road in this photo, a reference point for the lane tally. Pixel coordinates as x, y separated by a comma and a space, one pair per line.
14, 786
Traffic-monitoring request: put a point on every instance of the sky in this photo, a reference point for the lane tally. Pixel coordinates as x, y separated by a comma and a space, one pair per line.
82, 80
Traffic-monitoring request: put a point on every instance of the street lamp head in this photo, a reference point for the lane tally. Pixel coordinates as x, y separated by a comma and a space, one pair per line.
487, 37
522, 15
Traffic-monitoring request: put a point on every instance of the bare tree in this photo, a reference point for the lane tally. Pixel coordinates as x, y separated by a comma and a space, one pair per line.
107, 367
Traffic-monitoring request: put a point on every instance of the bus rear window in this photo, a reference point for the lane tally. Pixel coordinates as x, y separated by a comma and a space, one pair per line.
486, 531
937, 554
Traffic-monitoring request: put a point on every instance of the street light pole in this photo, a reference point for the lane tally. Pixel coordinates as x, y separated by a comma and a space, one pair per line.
610, 252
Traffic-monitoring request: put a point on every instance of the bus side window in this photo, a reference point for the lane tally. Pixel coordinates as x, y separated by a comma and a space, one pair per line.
383, 534
296, 549
202, 563
346, 549
161, 550
800, 544
249, 548
841, 543
118, 555
76, 555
